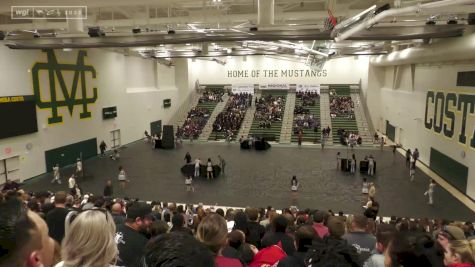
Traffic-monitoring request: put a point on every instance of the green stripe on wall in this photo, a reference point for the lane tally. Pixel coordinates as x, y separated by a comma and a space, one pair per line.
452, 171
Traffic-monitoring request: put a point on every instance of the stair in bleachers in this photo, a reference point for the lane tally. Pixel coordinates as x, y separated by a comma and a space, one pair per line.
247, 122
218, 108
272, 133
309, 135
288, 118
363, 128
325, 112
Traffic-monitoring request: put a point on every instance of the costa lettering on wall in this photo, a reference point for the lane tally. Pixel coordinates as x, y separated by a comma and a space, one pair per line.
66, 94
451, 114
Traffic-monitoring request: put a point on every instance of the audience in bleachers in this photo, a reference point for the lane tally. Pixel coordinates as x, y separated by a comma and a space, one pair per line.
308, 98
194, 124
249, 237
211, 96
269, 109
341, 106
230, 119
349, 138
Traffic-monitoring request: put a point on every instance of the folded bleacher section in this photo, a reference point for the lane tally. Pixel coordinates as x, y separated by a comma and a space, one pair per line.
307, 117
270, 108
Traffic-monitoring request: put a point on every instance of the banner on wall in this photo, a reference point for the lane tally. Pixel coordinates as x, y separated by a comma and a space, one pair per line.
242, 88
308, 88
274, 86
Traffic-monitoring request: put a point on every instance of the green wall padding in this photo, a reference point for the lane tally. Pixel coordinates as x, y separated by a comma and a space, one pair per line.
67, 155
452, 171
390, 131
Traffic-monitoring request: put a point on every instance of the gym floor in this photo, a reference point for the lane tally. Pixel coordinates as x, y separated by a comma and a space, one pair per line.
262, 178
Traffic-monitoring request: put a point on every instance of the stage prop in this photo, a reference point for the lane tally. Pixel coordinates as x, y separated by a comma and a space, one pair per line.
364, 166
189, 169
258, 145
168, 138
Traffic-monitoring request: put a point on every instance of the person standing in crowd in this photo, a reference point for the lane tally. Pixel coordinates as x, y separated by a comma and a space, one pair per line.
108, 189
460, 253
353, 164
213, 233
89, 240
294, 184
430, 191
338, 160
408, 158
79, 168
303, 241
299, 138
370, 165
187, 158
55, 217
384, 234
122, 177
131, 236
359, 238
24, 239
279, 233
365, 188
318, 224
412, 170
415, 155
103, 148
189, 184
56, 175
72, 185
209, 169
197, 167
222, 163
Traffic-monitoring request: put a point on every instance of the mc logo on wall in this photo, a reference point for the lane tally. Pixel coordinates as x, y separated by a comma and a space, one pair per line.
62, 94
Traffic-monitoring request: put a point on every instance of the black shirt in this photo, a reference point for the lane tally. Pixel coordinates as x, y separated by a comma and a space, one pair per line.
188, 158
55, 220
131, 246
108, 191
296, 260
255, 233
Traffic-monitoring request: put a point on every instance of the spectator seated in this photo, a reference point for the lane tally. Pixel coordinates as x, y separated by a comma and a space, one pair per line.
341, 106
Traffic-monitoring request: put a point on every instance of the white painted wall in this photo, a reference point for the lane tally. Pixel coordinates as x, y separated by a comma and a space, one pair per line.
348, 70
115, 74
405, 108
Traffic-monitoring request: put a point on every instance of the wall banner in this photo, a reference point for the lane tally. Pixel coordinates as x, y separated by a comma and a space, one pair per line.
242, 88
274, 86
308, 88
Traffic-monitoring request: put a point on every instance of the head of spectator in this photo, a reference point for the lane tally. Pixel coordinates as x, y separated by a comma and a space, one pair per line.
279, 224
139, 217
60, 199
336, 227
177, 249
90, 240
460, 252
252, 214
449, 233
116, 208
178, 220
304, 238
220, 211
359, 223
236, 239
240, 221
157, 228
318, 217
384, 234
24, 239
330, 252
212, 232
409, 249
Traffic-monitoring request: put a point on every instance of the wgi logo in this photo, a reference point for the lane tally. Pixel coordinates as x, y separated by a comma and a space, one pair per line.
69, 96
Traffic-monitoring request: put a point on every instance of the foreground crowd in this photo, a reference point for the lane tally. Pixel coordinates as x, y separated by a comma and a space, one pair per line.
59, 230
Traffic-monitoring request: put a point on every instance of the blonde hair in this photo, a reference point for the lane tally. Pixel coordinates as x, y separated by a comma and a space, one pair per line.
90, 240
213, 232
465, 249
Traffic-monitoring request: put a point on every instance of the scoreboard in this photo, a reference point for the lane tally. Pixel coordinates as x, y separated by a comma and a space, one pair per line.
17, 116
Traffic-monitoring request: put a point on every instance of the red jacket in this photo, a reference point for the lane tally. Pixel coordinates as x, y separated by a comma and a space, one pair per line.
460, 265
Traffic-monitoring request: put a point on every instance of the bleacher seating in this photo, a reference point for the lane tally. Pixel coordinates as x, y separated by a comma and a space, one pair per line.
348, 123
308, 135
235, 110
271, 133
